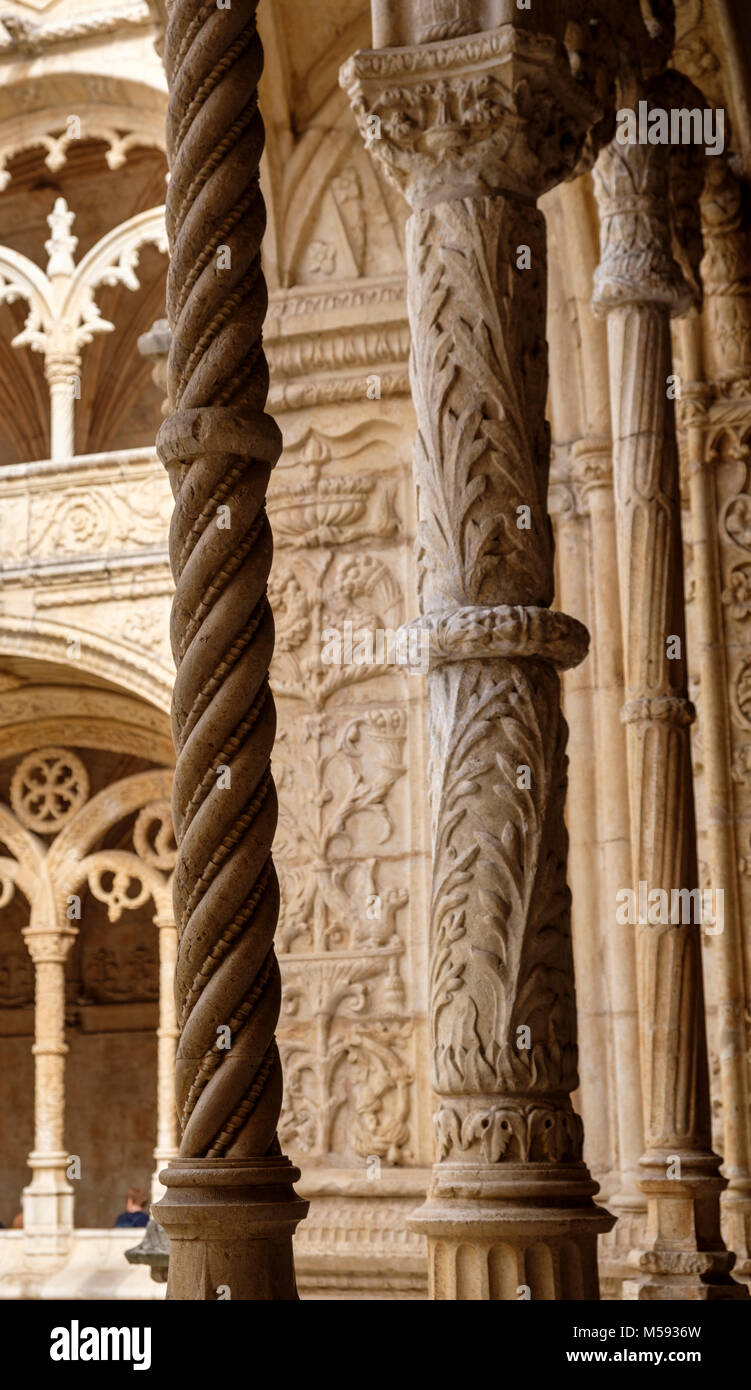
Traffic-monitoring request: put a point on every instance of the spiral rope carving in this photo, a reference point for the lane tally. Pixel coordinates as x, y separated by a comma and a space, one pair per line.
219, 447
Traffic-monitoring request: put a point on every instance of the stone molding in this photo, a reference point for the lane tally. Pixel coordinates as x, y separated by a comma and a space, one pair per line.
25, 39
503, 631
121, 127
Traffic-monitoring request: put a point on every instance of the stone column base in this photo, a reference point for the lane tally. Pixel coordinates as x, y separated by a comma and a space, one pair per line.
528, 1231
162, 1158
48, 1208
735, 1208
230, 1225
682, 1275
685, 1258
629, 1233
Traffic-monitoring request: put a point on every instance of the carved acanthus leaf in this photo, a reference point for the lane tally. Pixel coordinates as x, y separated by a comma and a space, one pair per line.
501, 954
479, 377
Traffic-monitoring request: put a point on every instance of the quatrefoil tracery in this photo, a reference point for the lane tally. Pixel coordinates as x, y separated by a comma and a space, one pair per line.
47, 789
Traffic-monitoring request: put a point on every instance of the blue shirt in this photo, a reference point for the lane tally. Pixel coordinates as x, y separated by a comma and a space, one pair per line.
132, 1218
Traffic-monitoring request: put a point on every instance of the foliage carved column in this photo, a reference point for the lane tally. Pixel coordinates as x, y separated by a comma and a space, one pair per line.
472, 130
230, 1209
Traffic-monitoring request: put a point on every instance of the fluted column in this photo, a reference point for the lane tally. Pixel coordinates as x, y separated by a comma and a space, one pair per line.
230, 1209
592, 469
166, 1114
48, 1200
639, 285
61, 370
725, 279
509, 1213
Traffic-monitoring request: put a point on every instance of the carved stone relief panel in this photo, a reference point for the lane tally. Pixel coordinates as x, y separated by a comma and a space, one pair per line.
344, 222
86, 508
85, 545
345, 850
730, 452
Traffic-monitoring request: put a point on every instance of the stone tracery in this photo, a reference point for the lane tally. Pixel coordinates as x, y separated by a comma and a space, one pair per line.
52, 828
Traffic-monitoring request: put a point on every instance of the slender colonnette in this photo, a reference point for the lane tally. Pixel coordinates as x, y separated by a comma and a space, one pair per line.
638, 285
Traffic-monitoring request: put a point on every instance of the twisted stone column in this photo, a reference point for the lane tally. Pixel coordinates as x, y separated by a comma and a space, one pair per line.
230, 1209
48, 1200
639, 285
510, 1211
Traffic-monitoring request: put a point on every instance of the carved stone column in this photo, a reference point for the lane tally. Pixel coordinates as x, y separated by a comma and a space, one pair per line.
62, 370
62, 364
639, 285
720, 610
455, 124
593, 473
48, 1200
167, 1034
592, 468
230, 1209
154, 346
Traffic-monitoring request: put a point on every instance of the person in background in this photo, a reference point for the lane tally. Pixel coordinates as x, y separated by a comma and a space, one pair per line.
136, 1199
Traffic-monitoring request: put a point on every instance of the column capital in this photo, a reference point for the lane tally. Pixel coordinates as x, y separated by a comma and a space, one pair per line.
636, 261
693, 406
726, 278
648, 199
591, 462
484, 113
49, 945
164, 917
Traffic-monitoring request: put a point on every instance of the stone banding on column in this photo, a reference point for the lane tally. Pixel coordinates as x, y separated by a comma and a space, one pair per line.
664, 709
219, 447
502, 630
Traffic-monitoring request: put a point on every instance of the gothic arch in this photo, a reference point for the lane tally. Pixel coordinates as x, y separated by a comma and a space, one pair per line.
76, 840
32, 875
121, 127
